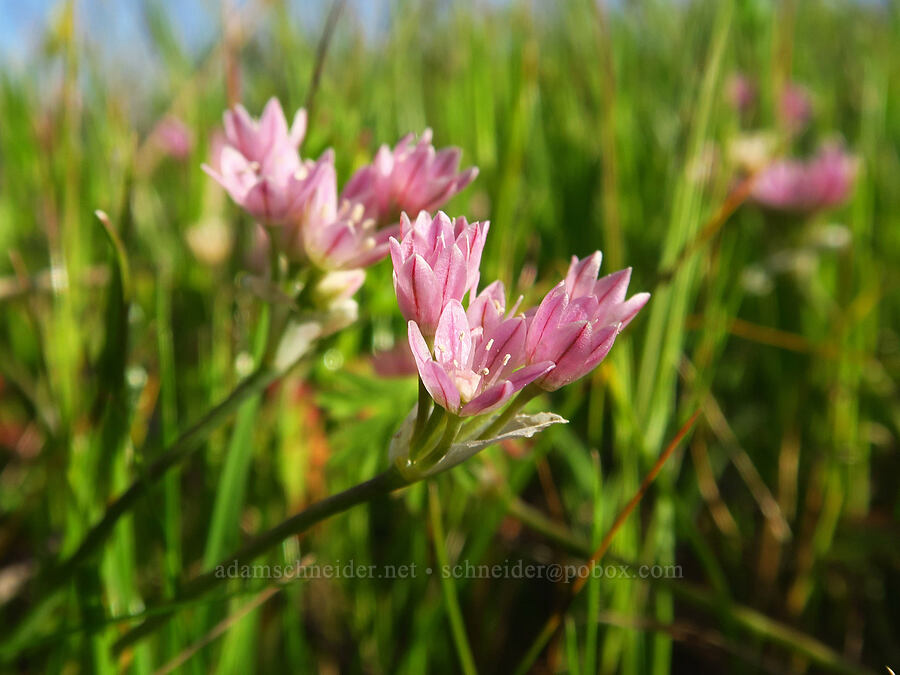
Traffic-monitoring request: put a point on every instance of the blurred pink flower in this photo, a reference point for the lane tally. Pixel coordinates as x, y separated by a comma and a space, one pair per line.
473, 370
173, 137
409, 178
217, 143
577, 322
258, 140
259, 165
822, 182
436, 261
741, 92
397, 361
794, 107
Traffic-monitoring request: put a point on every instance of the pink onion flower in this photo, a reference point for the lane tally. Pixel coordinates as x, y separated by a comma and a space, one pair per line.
473, 370
823, 182
577, 322
259, 165
795, 107
346, 242
409, 178
435, 262
258, 140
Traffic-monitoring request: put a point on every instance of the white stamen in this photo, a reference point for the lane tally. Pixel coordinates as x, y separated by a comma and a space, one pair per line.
301, 173
484, 371
506, 359
489, 345
358, 211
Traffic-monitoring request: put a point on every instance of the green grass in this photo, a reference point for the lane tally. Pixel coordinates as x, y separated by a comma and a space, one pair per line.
587, 124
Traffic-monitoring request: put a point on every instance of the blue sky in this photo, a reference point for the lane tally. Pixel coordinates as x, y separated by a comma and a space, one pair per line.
118, 25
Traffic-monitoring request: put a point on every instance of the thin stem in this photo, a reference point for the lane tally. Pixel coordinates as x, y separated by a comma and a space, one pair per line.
749, 620
553, 623
382, 484
451, 602
512, 409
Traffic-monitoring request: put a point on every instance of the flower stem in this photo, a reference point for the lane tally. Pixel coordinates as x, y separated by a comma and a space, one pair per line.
451, 429
421, 412
427, 437
451, 602
382, 484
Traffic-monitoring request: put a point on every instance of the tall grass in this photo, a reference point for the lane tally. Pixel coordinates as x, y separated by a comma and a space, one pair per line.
588, 124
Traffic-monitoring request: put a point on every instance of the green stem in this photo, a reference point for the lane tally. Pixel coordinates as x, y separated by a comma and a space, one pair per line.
753, 622
528, 393
451, 602
451, 429
421, 413
382, 484
427, 437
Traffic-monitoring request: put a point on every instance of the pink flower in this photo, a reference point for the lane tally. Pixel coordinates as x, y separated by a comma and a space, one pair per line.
822, 182
259, 165
409, 178
473, 371
740, 92
577, 322
397, 361
346, 242
794, 107
436, 261
257, 141
173, 137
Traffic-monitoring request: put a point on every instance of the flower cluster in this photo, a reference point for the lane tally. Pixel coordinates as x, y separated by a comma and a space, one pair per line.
824, 181
297, 199
472, 351
472, 360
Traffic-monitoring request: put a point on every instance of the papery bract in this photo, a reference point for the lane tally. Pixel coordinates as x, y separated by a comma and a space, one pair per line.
473, 371
436, 261
410, 178
577, 322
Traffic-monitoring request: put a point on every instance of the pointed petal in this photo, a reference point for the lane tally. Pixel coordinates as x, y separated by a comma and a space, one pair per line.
452, 339
546, 318
436, 381
298, 128
613, 287
488, 400
582, 274
487, 308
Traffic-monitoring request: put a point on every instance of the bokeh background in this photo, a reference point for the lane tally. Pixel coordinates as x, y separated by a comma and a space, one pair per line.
614, 126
